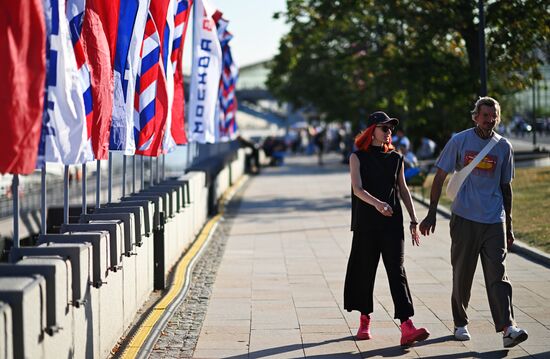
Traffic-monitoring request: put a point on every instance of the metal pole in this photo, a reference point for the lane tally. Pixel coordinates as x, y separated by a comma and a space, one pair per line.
150, 171
187, 156
123, 175
98, 185
15, 194
534, 110
157, 170
110, 179
84, 191
66, 195
43, 208
163, 167
188, 148
482, 57
142, 174
134, 174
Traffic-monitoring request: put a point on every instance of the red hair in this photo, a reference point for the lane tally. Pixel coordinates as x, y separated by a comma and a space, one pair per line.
364, 140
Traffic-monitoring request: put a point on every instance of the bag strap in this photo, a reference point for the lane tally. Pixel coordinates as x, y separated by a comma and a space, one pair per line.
470, 167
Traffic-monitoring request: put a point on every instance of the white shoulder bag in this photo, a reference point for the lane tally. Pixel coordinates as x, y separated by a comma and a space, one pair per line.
457, 179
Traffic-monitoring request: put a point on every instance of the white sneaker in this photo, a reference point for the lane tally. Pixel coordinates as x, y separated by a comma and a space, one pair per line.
462, 333
513, 336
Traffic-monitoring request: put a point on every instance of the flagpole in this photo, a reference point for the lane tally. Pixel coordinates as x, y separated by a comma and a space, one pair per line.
123, 175
84, 192
15, 194
151, 171
98, 185
188, 155
157, 172
134, 173
142, 174
66, 195
163, 167
110, 179
43, 200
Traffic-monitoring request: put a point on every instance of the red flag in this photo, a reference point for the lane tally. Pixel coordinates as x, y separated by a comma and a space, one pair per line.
22, 75
178, 106
99, 33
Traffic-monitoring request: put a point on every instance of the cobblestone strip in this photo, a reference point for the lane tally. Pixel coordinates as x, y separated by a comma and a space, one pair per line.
179, 338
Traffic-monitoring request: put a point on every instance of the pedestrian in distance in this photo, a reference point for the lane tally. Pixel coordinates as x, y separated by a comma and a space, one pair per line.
481, 222
377, 176
319, 141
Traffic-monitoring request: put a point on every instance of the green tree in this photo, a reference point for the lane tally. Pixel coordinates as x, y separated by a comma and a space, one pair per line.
418, 60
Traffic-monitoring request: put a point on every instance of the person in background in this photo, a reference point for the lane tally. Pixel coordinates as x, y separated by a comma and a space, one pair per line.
400, 140
481, 222
377, 174
319, 142
427, 148
252, 160
410, 162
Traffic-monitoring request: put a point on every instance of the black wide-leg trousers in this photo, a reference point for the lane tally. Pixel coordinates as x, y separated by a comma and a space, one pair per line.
361, 272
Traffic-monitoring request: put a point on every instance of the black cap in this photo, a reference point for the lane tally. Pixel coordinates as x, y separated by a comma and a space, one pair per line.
379, 117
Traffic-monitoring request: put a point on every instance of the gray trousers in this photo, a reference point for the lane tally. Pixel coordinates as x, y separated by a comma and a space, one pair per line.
469, 241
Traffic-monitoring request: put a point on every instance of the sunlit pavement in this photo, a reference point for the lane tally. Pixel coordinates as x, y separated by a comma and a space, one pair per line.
278, 291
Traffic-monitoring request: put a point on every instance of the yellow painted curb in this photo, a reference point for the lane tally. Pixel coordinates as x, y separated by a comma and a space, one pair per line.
180, 275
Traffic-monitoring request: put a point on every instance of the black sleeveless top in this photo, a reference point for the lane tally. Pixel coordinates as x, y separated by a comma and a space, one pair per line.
379, 171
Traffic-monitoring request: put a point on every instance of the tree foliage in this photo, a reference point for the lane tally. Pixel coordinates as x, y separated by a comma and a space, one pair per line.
418, 60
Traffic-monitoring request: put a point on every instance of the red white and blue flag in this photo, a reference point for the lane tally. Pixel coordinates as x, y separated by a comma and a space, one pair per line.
131, 27
227, 100
149, 111
168, 144
181, 21
75, 15
205, 75
64, 134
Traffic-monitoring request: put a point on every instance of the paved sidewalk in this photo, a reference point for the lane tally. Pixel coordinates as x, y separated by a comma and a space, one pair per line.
278, 291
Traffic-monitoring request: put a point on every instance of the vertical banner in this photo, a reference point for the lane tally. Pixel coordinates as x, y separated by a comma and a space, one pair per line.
168, 143
75, 16
131, 27
205, 75
227, 99
149, 108
23, 64
178, 106
99, 32
64, 131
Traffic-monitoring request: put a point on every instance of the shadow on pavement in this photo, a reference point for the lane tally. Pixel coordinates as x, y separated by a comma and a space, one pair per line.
389, 352
294, 347
269, 205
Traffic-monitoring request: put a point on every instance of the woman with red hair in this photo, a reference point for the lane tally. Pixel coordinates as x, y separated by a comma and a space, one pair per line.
377, 176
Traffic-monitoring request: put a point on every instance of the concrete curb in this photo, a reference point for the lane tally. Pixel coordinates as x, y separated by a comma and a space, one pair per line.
520, 248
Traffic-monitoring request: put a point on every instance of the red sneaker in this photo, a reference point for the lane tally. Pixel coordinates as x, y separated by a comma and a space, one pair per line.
410, 334
364, 328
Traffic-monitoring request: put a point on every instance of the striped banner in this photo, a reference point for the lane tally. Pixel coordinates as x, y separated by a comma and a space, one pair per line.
131, 27
227, 100
178, 105
148, 126
75, 14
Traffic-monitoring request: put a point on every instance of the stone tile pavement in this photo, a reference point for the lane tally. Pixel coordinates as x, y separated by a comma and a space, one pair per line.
278, 291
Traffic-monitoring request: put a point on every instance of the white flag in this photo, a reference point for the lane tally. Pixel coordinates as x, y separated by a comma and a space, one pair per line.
205, 75
66, 136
